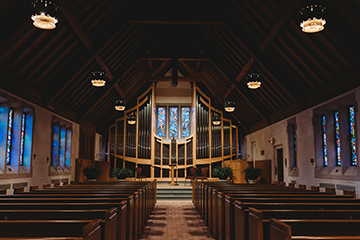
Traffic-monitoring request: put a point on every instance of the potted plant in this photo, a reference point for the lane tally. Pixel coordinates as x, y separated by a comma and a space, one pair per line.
91, 173
122, 173
251, 174
222, 172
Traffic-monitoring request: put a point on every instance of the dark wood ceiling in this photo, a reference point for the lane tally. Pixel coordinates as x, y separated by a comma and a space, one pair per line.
217, 42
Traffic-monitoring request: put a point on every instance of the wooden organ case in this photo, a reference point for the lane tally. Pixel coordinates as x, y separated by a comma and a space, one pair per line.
139, 145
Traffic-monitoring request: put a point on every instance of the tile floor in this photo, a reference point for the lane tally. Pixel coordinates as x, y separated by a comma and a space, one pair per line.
175, 220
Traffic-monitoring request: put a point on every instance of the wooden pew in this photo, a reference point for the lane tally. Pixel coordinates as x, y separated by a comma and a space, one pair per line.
259, 220
125, 221
314, 229
47, 229
108, 218
241, 210
135, 224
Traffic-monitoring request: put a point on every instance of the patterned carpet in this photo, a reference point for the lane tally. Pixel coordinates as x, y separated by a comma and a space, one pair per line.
176, 220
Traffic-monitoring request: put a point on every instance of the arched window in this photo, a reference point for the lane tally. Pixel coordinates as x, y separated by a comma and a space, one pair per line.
172, 122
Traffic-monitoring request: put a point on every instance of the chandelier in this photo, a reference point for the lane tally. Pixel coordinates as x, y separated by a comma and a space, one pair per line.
120, 105
254, 80
131, 119
216, 120
98, 78
312, 17
44, 16
229, 106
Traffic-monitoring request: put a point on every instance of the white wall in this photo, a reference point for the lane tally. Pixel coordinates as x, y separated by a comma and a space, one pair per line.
305, 146
42, 148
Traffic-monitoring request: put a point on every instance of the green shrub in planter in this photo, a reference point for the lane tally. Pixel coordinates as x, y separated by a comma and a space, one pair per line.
222, 172
252, 173
91, 172
122, 173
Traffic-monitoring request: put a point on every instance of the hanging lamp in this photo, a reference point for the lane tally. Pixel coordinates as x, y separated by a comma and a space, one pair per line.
229, 106
312, 18
216, 120
44, 16
254, 80
131, 119
98, 78
120, 105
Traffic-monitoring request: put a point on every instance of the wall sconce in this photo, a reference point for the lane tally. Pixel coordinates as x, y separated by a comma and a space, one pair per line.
312, 161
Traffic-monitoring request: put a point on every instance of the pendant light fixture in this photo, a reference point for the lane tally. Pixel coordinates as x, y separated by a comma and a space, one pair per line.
44, 16
229, 106
254, 80
98, 78
131, 119
120, 105
216, 120
312, 18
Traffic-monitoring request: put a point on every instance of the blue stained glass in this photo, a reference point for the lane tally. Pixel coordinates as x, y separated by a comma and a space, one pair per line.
22, 140
185, 122
337, 139
55, 146
295, 146
9, 136
353, 137
324, 141
68, 147
62, 147
173, 121
161, 122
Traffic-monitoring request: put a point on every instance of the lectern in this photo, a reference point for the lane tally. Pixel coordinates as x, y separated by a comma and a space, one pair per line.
172, 174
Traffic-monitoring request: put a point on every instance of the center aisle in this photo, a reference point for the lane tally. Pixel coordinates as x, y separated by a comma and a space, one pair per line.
176, 220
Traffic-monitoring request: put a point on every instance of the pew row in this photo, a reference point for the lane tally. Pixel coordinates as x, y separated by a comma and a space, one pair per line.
45, 229
259, 220
314, 229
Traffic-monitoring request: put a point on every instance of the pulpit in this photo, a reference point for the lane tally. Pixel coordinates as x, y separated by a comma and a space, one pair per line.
172, 174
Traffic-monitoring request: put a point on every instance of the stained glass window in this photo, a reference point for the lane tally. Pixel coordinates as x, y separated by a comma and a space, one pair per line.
295, 146
55, 146
22, 140
9, 136
185, 122
161, 122
337, 139
68, 147
173, 122
324, 141
62, 146
353, 137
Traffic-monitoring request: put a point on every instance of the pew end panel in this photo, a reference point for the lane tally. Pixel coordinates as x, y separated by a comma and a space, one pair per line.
239, 220
229, 217
92, 231
256, 230
279, 230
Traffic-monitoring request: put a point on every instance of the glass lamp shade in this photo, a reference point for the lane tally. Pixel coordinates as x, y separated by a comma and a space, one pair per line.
120, 105
229, 106
44, 14
254, 80
312, 18
131, 119
254, 84
98, 78
216, 120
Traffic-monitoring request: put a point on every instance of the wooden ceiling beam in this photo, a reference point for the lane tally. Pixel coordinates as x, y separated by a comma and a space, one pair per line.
164, 57
169, 79
75, 25
269, 37
211, 88
83, 37
176, 22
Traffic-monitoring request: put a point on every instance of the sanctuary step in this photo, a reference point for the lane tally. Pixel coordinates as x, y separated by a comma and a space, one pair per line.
167, 192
